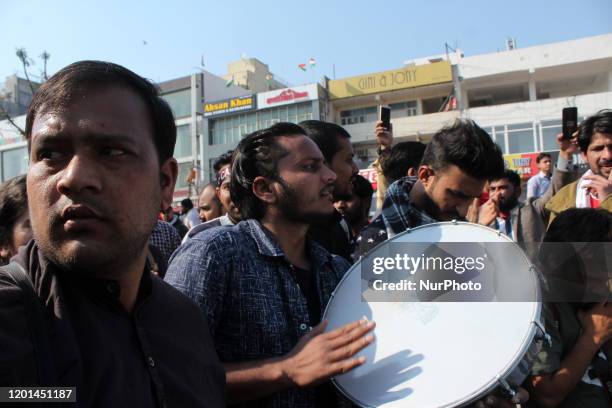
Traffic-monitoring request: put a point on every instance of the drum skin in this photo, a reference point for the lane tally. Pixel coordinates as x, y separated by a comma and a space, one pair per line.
439, 354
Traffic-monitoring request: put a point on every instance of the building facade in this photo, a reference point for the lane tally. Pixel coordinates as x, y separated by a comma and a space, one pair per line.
186, 98
516, 95
16, 95
254, 75
228, 120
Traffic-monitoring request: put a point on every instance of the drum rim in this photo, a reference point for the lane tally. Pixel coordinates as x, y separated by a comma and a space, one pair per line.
510, 367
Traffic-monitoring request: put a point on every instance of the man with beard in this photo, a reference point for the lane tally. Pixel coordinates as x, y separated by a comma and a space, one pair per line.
209, 206
231, 214
456, 164
79, 306
264, 285
594, 188
521, 222
334, 143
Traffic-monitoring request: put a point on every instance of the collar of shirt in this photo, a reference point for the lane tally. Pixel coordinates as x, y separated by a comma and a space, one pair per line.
544, 175
268, 245
398, 212
106, 291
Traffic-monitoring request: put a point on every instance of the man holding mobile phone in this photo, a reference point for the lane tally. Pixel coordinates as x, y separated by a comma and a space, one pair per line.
594, 188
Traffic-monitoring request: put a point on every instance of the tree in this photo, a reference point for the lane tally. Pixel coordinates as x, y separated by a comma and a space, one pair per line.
26, 62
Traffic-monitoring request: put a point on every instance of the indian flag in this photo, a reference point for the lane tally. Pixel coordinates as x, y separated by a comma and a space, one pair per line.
302, 67
312, 62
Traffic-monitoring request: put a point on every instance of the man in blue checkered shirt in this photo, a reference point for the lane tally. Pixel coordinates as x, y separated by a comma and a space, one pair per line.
263, 285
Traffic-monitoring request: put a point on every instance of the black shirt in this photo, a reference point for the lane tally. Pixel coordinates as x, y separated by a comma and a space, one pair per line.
160, 355
333, 237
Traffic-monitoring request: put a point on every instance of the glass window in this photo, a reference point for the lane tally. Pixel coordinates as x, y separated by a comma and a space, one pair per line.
304, 112
521, 126
362, 115
183, 141
497, 133
520, 141
282, 114
180, 102
14, 162
183, 172
403, 109
550, 130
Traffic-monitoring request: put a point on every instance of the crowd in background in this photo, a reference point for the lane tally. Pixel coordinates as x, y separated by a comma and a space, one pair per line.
258, 257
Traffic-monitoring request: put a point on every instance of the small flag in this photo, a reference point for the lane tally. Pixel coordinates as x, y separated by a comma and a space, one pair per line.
229, 83
302, 67
451, 104
312, 62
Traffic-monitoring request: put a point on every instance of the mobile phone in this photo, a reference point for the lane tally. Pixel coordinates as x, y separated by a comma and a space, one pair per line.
569, 122
384, 114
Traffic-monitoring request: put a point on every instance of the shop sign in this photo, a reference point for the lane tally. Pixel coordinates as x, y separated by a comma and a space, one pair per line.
379, 82
227, 106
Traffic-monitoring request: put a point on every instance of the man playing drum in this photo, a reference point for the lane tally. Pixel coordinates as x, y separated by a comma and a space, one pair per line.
455, 167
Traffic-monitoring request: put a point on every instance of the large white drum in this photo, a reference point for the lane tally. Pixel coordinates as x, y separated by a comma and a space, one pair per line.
441, 354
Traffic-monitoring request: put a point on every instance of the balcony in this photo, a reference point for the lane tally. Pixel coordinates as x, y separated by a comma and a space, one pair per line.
407, 128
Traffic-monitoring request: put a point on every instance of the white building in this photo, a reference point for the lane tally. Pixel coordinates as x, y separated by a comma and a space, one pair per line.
516, 95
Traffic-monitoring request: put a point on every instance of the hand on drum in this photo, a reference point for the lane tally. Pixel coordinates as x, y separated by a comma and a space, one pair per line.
497, 401
319, 356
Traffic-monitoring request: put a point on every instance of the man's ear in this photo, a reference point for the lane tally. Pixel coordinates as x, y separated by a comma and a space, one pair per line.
411, 172
263, 188
425, 175
167, 179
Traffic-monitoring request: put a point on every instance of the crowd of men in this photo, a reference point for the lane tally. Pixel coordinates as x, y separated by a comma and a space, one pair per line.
105, 288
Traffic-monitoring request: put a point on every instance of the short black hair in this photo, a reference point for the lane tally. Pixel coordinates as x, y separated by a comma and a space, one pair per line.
510, 175
256, 155
569, 266
362, 188
187, 203
601, 122
325, 135
396, 161
581, 225
73, 81
467, 146
542, 156
13, 204
223, 160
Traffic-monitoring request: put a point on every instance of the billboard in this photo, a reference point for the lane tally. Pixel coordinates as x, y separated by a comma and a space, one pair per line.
407, 77
286, 96
231, 105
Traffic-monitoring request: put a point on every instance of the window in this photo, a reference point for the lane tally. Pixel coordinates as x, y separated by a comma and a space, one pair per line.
183, 172
520, 138
550, 130
230, 129
180, 102
362, 115
403, 109
183, 141
14, 162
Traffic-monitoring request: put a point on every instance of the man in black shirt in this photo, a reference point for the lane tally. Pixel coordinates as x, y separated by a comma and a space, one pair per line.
333, 141
78, 305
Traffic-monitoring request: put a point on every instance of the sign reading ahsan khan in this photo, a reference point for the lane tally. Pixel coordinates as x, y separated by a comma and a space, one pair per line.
241, 103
